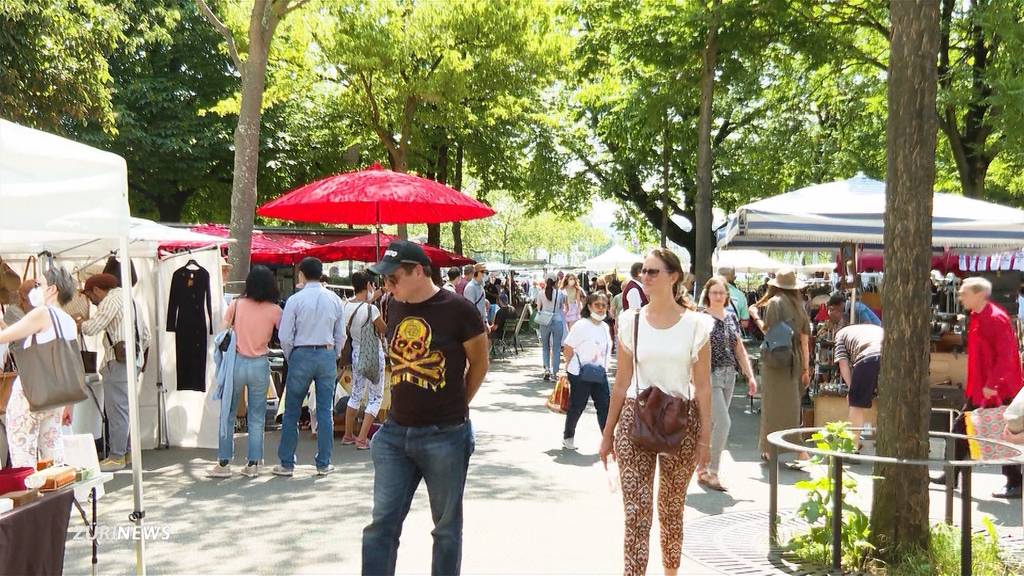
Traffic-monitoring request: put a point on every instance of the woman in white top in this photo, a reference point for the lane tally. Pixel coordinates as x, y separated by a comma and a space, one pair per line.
672, 354
364, 326
35, 436
587, 347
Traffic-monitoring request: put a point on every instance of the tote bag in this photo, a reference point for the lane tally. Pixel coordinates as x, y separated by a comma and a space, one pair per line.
52, 374
544, 317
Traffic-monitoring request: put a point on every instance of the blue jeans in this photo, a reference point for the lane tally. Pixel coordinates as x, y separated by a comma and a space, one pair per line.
306, 365
253, 374
580, 393
402, 456
551, 337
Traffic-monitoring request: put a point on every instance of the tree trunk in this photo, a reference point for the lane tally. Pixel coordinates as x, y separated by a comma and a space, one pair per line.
899, 514
702, 225
434, 230
247, 157
457, 184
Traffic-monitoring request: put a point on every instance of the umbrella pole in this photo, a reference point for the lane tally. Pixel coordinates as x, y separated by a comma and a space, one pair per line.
378, 231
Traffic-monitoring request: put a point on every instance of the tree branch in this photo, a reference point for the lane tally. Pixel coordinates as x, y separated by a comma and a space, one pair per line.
289, 7
224, 31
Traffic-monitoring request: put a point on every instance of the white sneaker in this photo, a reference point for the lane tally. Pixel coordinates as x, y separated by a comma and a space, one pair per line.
219, 471
251, 471
325, 470
282, 471
568, 444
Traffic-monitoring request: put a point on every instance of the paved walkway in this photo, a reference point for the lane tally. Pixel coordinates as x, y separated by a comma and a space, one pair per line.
531, 507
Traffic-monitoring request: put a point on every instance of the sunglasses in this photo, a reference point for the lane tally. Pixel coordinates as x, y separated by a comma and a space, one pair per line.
652, 272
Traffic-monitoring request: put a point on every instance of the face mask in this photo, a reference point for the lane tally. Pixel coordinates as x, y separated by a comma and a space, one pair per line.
598, 317
36, 297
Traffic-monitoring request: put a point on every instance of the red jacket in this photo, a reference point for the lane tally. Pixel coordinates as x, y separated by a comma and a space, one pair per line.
993, 359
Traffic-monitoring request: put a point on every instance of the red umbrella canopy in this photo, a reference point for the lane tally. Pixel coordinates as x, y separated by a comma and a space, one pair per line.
264, 249
375, 196
364, 249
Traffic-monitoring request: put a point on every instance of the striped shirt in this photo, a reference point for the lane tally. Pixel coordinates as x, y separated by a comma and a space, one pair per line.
109, 319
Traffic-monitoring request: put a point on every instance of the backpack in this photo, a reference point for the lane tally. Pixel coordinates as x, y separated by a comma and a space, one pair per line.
777, 349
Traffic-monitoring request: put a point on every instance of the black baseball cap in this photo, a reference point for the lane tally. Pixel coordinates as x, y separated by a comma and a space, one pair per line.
400, 252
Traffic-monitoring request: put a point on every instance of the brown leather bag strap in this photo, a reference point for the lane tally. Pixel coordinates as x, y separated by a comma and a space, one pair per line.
636, 340
30, 264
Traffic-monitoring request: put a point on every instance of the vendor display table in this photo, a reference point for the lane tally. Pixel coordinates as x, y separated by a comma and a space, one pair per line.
834, 408
32, 537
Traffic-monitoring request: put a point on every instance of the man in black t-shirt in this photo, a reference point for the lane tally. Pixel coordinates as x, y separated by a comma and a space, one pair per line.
437, 347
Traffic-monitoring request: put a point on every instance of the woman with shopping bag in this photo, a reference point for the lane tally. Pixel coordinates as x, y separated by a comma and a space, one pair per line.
249, 324
34, 416
587, 347
660, 410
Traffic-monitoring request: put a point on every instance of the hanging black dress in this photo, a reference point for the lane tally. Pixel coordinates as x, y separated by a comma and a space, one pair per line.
190, 293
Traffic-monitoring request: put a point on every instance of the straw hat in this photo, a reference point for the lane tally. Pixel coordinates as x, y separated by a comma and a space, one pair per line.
786, 280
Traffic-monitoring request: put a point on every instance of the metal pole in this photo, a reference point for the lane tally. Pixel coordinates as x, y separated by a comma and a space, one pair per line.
773, 498
95, 544
837, 513
966, 552
950, 479
138, 514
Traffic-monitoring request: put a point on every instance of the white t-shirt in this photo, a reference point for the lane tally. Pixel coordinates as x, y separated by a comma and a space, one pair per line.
666, 356
591, 344
360, 309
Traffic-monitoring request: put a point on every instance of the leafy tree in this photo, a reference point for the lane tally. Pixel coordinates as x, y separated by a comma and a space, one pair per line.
53, 61
165, 84
982, 76
264, 18
427, 75
636, 87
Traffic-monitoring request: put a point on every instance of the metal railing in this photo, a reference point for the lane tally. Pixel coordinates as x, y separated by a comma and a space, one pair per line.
777, 441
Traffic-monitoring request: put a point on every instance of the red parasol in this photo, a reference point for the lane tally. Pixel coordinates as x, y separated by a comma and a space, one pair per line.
364, 249
375, 196
265, 250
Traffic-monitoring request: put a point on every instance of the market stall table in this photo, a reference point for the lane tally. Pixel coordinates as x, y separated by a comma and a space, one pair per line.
33, 536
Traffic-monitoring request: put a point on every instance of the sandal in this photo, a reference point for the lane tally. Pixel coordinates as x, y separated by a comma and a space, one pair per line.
711, 482
362, 444
347, 440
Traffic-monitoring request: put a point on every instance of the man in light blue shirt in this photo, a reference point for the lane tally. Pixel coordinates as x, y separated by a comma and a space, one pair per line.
839, 311
737, 299
312, 335
474, 291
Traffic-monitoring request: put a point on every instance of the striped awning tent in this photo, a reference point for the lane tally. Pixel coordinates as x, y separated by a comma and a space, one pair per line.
823, 216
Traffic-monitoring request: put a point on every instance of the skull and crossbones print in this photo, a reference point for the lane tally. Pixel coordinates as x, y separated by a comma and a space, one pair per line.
412, 360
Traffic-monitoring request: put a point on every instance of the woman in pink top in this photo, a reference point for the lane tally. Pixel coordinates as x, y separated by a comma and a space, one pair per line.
254, 316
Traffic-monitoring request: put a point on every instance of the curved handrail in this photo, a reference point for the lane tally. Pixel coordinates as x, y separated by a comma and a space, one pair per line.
779, 439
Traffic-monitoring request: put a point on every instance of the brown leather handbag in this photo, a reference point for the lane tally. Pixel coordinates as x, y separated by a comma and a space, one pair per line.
662, 420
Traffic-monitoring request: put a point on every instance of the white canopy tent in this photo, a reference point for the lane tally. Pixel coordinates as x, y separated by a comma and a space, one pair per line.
58, 193
823, 216
497, 267
746, 261
614, 258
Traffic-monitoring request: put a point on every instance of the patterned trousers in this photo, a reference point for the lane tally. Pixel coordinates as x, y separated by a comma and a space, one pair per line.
636, 471
32, 436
